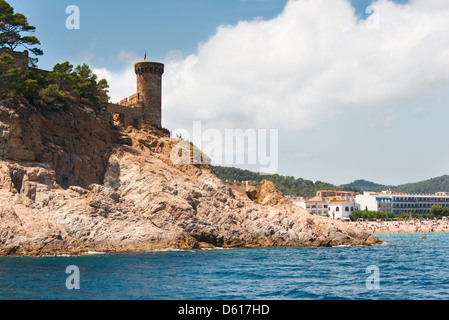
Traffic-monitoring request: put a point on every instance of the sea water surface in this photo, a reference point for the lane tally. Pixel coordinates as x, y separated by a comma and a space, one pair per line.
409, 268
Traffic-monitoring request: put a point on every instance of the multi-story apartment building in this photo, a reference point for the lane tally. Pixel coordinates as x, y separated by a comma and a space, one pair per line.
389, 201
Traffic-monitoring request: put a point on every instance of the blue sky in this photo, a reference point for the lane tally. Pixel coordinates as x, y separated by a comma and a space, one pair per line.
348, 102
107, 28
158, 26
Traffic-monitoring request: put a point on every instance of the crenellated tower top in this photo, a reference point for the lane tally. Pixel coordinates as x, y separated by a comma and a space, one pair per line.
149, 67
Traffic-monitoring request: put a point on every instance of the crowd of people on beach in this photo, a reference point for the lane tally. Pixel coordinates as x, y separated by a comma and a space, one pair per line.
404, 225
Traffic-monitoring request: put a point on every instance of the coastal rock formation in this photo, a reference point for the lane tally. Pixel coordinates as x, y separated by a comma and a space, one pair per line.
266, 193
71, 182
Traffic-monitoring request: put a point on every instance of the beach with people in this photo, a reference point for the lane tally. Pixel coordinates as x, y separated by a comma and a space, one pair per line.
403, 225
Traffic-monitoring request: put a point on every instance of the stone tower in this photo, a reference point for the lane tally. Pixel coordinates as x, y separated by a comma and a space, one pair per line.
149, 90
146, 104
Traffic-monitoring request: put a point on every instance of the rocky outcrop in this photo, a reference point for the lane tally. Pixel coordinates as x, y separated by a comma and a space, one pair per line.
69, 184
266, 193
76, 142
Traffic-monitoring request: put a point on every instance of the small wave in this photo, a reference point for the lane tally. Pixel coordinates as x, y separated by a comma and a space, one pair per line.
166, 250
93, 253
188, 250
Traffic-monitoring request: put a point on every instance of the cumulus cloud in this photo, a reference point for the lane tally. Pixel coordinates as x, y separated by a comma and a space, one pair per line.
121, 84
313, 62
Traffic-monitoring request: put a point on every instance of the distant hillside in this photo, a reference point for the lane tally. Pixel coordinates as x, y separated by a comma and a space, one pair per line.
439, 184
306, 188
287, 185
430, 186
365, 185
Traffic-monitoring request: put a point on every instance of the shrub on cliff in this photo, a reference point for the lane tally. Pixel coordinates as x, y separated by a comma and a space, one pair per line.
10, 75
52, 96
35, 85
80, 82
53, 87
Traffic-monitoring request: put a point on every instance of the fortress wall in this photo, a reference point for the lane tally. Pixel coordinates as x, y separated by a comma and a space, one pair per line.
21, 58
134, 98
127, 114
146, 104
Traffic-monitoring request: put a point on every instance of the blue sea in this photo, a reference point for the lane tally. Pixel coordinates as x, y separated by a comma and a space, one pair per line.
406, 267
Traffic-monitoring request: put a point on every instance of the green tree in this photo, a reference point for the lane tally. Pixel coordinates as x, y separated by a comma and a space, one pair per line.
86, 85
29, 89
62, 76
10, 75
357, 214
102, 89
12, 25
51, 95
446, 211
437, 210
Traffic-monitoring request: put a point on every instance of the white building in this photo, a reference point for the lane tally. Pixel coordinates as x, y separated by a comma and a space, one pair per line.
374, 201
334, 204
389, 201
342, 209
314, 206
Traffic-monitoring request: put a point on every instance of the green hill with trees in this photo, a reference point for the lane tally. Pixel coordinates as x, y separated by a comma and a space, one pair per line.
287, 185
364, 185
430, 186
306, 188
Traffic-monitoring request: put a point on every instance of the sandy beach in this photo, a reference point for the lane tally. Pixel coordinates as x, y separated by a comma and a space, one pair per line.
408, 226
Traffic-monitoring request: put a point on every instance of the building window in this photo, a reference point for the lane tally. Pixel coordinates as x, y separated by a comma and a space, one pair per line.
338, 209
347, 209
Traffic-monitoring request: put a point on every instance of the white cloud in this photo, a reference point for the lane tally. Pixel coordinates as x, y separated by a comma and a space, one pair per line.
121, 85
311, 63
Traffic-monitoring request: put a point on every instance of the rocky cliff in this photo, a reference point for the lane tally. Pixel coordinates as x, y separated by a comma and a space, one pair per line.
71, 181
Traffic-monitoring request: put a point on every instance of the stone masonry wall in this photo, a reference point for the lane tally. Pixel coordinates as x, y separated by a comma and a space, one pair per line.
146, 104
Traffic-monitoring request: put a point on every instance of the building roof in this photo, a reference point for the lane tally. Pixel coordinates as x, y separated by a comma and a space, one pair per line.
328, 200
316, 199
337, 202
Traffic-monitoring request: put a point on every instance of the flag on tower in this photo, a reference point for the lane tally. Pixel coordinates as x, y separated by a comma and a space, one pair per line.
145, 58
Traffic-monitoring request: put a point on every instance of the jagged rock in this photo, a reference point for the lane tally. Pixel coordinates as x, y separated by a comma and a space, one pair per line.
84, 191
251, 192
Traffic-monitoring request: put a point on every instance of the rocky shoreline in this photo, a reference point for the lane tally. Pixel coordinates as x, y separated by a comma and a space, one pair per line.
71, 182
